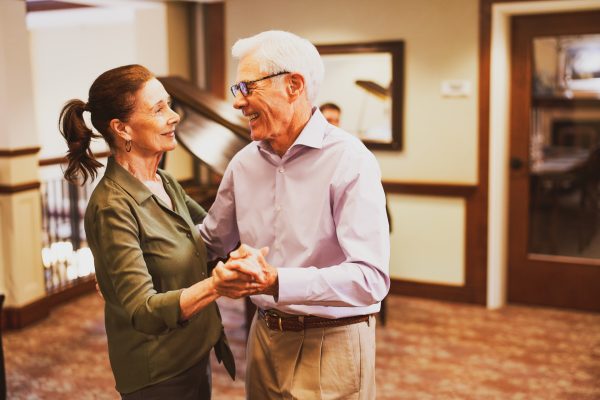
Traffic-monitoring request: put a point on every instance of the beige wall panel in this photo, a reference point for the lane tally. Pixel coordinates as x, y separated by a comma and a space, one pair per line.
17, 170
441, 39
21, 247
428, 239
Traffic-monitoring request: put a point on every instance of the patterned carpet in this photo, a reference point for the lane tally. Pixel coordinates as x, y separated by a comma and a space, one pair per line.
428, 350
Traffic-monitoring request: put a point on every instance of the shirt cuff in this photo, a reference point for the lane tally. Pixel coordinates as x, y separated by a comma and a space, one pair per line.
166, 306
293, 284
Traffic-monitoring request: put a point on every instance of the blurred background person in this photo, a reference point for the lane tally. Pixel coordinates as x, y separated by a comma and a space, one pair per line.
331, 112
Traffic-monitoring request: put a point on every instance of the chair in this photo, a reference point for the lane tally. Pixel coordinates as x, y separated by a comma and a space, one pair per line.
589, 200
579, 136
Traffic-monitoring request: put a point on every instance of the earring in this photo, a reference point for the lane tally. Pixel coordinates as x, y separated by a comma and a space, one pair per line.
128, 146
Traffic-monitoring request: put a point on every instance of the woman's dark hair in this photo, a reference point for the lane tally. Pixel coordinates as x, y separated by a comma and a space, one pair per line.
111, 96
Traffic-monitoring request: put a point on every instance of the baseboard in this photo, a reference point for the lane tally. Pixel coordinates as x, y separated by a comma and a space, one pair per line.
463, 294
20, 317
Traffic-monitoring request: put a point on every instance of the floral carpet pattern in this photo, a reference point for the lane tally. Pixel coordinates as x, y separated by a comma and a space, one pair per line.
427, 350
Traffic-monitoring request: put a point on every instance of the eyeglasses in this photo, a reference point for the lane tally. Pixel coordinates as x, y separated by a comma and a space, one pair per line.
244, 86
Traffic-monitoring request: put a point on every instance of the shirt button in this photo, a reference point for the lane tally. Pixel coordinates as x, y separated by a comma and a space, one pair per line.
197, 254
282, 170
189, 235
278, 208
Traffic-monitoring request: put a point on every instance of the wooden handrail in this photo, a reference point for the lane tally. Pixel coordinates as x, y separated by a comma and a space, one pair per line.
63, 160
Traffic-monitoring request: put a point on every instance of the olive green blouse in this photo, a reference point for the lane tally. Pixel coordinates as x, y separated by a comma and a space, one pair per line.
145, 254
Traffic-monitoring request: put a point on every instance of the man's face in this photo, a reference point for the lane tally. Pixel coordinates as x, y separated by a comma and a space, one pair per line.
332, 116
267, 106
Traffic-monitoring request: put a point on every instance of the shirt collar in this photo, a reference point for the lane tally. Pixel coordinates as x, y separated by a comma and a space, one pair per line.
311, 136
128, 182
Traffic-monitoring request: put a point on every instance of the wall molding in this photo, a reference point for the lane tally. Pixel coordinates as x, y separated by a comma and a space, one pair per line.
22, 187
431, 290
429, 189
474, 289
63, 160
19, 152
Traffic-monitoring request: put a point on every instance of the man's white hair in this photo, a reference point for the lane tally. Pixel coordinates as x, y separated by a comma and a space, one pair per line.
277, 51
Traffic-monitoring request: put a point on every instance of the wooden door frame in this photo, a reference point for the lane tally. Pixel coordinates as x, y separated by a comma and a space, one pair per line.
555, 281
493, 168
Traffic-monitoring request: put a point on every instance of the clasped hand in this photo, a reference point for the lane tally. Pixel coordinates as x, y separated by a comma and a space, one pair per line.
245, 273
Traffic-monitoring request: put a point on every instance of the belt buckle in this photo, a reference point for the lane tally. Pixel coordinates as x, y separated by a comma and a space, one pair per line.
273, 314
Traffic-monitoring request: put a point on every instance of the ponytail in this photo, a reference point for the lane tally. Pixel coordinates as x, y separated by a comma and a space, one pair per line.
78, 136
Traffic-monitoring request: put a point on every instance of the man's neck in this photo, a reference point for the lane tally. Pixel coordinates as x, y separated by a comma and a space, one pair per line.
282, 143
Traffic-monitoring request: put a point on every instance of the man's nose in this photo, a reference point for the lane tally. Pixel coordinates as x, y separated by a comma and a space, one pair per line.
239, 101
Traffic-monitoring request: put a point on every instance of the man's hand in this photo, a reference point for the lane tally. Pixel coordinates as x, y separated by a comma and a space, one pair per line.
230, 282
249, 273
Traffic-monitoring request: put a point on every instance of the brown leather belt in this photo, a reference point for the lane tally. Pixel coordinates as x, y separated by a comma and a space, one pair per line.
298, 323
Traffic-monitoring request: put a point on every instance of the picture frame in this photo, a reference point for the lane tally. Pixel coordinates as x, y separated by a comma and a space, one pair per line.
366, 80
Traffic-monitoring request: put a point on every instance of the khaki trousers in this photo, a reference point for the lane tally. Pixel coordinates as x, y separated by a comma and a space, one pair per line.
314, 364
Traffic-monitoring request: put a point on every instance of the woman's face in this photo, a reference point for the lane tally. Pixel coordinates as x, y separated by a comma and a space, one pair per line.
152, 124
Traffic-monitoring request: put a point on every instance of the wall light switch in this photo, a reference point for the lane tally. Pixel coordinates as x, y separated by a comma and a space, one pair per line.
456, 88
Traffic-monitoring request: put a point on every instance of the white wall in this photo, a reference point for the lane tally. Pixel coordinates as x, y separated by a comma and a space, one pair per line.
440, 134
18, 129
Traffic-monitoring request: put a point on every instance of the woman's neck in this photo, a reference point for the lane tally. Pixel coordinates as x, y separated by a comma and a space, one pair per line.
143, 168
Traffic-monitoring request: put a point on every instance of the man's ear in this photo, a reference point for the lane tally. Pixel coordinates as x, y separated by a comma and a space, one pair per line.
295, 85
120, 129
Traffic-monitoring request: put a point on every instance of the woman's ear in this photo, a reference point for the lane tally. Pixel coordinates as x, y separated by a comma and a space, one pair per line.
120, 129
295, 85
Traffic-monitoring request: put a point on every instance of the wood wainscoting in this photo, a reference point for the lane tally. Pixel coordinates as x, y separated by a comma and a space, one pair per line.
475, 288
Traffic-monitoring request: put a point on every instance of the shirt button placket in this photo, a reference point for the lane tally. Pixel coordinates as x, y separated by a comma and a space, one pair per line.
278, 197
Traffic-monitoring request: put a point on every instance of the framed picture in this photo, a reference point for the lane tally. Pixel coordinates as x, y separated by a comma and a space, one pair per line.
365, 80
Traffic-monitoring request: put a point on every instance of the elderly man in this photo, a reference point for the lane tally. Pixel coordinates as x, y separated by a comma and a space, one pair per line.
312, 194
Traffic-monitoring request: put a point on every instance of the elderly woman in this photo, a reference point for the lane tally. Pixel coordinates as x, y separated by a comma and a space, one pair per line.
161, 318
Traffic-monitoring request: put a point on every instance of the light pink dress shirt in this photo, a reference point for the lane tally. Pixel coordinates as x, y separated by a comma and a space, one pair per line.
320, 209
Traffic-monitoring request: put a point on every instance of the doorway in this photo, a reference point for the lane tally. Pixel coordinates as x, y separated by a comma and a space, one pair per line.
554, 178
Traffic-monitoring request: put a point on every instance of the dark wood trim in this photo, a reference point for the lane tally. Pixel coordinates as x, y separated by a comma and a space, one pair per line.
52, 5
429, 189
23, 187
63, 160
20, 317
19, 152
431, 290
214, 48
548, 258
